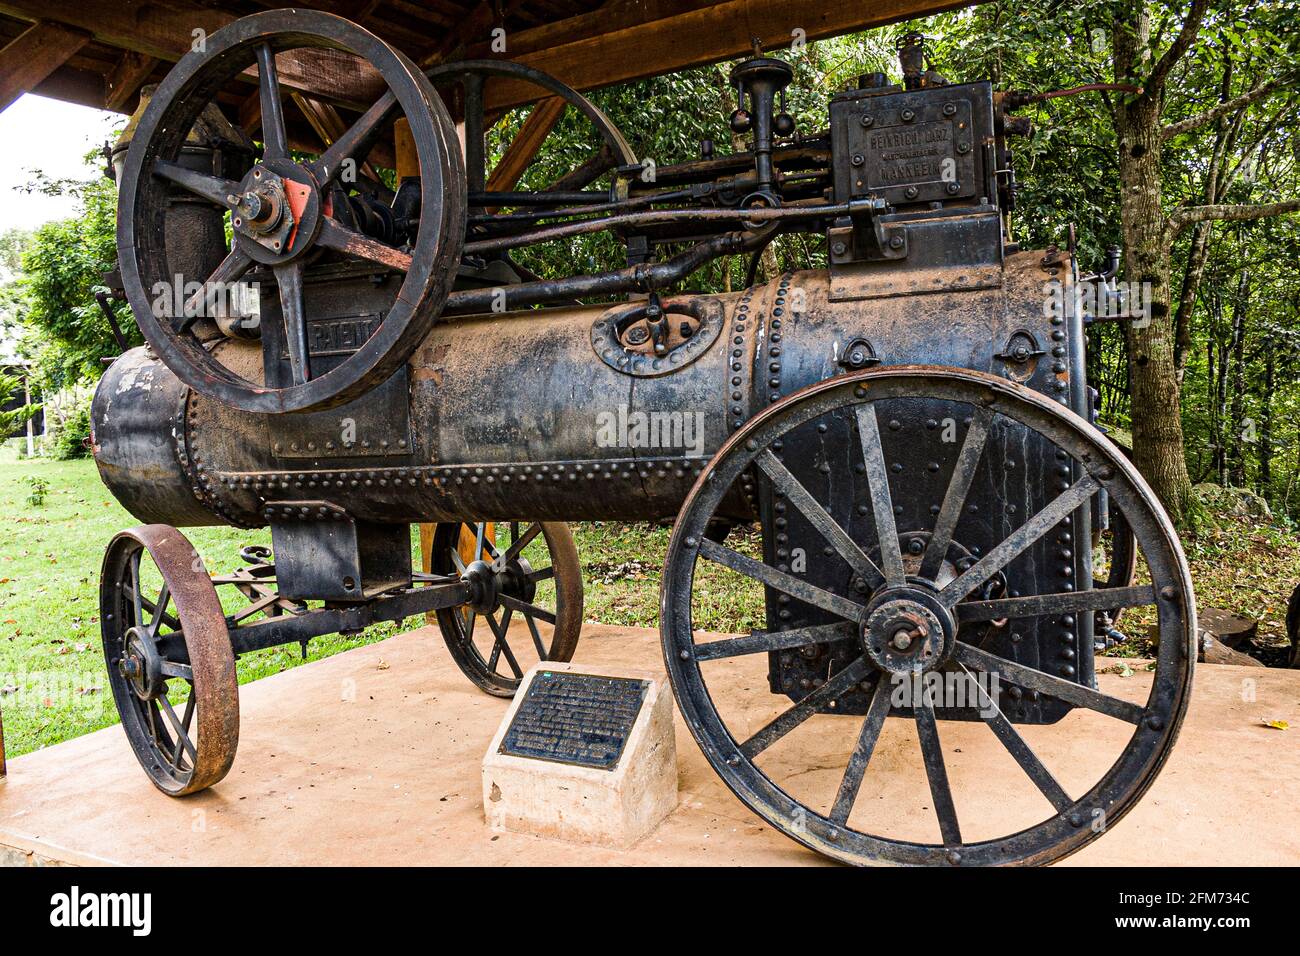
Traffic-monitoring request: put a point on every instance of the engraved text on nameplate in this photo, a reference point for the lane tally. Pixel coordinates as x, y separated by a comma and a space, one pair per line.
579, 719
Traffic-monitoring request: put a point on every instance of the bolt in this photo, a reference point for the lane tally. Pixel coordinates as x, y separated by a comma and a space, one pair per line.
867, 119
908, 115
912, 192
839, 248
896, 242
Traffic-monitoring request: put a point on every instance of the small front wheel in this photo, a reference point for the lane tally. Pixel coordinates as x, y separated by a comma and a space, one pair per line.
169, 659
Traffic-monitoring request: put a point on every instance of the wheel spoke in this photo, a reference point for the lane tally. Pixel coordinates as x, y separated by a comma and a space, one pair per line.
517, 544
541, 574
935, 771
882, 503
236, 263
528, 610
861, 756
1068, 602
963, 473
789, 719
1018, 541
543, 654
356, 141
275, 140
334, 235
136, 597
785, 583
289, 279
480, 536
808, 506
214, 188
172, 669
475, 165
1057, 687
760, 641
1019, 749
160, 607
183, 735
501, 644
182, 738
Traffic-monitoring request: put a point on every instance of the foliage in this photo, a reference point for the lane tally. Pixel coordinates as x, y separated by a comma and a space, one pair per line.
71, 436
38, 488
62, 267
12, 421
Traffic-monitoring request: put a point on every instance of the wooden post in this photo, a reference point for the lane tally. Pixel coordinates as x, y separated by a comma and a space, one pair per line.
36, 53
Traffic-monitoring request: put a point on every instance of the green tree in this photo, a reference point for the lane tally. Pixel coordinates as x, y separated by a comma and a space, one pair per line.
62, 267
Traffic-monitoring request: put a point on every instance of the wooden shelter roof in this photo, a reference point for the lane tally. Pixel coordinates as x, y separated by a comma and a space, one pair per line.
100, 52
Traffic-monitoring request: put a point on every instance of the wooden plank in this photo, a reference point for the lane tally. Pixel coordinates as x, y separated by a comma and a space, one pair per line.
523, 149
590, 50
36, 53
125, 80
168, 32
692, 38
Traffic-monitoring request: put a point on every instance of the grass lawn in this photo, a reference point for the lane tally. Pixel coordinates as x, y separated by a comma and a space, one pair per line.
52, 679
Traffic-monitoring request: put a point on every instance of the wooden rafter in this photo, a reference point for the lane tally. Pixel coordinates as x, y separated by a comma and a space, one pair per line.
40, 50
523, 148
125, 80
619, 41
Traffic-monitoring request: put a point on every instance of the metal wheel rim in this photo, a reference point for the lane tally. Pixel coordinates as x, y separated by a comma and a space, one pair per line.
212, 712
1122, 784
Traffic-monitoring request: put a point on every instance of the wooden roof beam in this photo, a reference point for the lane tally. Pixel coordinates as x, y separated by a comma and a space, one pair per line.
28, 60
167, 31
617, 43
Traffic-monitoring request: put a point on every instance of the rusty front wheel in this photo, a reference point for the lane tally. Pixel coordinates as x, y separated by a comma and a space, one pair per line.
169, 659
519, 570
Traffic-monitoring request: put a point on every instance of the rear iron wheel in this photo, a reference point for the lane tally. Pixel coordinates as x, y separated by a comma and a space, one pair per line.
906, 611
169, 658
526, 573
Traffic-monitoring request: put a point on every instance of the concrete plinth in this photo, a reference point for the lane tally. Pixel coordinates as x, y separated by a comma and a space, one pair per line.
613, 807
375, 756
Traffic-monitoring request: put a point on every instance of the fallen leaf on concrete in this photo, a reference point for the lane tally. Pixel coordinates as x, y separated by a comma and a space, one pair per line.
1277, 724
1122, 669
383, 665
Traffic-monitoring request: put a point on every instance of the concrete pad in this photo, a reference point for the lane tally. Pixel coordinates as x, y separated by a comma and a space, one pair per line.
612, 806
391, 775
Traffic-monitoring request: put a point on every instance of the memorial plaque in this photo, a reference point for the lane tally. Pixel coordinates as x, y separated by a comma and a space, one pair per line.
581, 719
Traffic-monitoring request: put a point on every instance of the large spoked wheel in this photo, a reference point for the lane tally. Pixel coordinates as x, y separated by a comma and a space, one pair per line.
908, 609
525, 573
169, 659
467, 78
282, 210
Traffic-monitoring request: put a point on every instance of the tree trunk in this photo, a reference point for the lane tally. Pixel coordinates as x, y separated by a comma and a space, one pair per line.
1237, 427
1156, 408
1264, 450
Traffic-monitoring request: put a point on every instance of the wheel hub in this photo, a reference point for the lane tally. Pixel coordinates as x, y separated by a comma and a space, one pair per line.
484, 586
141, 665
907, 631
277, 210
